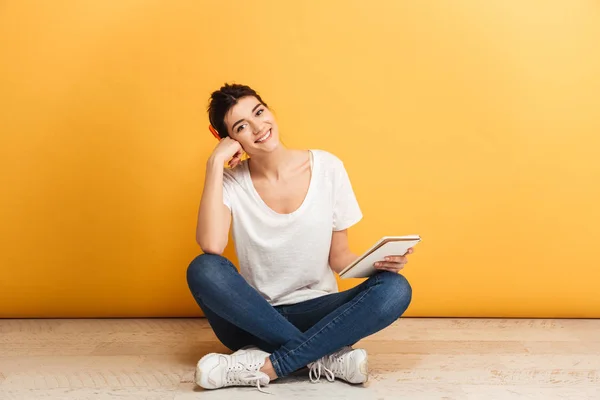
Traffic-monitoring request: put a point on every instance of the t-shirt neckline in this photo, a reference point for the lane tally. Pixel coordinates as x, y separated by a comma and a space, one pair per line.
266, 207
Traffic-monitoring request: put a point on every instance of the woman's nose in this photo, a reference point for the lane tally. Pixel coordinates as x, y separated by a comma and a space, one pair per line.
256, 128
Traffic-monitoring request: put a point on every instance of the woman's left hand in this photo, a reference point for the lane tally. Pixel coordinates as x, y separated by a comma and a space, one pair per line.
394, 263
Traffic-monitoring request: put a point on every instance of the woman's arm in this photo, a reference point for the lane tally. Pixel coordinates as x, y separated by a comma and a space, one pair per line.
340, 255
214, 217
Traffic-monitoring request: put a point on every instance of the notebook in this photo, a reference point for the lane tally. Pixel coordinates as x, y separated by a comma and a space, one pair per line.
386, 246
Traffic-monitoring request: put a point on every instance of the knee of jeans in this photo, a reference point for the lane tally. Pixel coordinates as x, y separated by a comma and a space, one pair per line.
396, 295
207, 269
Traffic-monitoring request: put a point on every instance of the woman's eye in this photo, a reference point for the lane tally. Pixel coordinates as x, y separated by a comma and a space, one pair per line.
239, 128
259, 112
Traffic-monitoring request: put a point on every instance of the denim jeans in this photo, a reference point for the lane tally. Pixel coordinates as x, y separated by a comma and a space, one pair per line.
295, 334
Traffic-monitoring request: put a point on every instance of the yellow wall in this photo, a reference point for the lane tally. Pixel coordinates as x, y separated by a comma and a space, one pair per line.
474, 124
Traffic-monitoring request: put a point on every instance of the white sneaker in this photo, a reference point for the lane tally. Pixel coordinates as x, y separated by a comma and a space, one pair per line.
246, 348
238, 369
348, 364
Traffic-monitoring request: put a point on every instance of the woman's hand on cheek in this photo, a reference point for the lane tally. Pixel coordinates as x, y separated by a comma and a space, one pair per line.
228, 150
236, 160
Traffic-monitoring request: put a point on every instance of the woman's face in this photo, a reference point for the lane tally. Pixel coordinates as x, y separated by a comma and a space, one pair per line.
253, 125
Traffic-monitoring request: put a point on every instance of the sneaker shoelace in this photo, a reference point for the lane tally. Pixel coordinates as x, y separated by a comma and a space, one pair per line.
329, 365
314, 373
253, 379
241, 373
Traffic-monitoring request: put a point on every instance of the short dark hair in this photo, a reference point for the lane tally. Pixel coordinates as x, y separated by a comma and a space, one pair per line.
221, 102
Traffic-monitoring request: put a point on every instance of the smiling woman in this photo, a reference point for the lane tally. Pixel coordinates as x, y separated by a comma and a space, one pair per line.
290, 210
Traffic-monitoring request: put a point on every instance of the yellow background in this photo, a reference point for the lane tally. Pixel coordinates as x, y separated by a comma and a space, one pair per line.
472, 123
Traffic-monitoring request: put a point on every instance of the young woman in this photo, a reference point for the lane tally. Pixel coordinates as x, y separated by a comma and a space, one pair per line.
290, 211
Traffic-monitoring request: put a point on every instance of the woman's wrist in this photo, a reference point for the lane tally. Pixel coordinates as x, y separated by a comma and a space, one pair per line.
215, 161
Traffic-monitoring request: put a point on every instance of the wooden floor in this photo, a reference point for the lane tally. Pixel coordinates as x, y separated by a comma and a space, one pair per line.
412, 359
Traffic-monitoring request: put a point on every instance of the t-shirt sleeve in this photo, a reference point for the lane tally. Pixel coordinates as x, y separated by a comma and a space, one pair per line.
346, 211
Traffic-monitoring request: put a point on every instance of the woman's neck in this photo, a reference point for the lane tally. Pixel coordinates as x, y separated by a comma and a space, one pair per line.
272, 166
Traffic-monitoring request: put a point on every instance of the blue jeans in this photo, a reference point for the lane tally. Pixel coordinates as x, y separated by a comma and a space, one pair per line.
295, 334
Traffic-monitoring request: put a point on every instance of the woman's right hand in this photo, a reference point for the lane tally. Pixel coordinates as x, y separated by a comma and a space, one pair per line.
228, 149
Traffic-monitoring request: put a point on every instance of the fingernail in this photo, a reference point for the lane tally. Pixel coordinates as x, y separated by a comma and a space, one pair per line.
377, 264
387, 259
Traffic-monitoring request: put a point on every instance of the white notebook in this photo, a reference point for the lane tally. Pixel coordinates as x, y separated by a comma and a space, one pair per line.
386, 246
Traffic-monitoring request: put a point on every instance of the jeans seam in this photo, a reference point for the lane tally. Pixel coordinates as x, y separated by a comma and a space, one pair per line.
358, 301
276, 367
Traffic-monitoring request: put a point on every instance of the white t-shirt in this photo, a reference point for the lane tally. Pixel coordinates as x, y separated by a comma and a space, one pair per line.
285, 257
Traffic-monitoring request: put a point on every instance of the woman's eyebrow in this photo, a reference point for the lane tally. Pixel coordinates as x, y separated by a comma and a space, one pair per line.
241, 120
